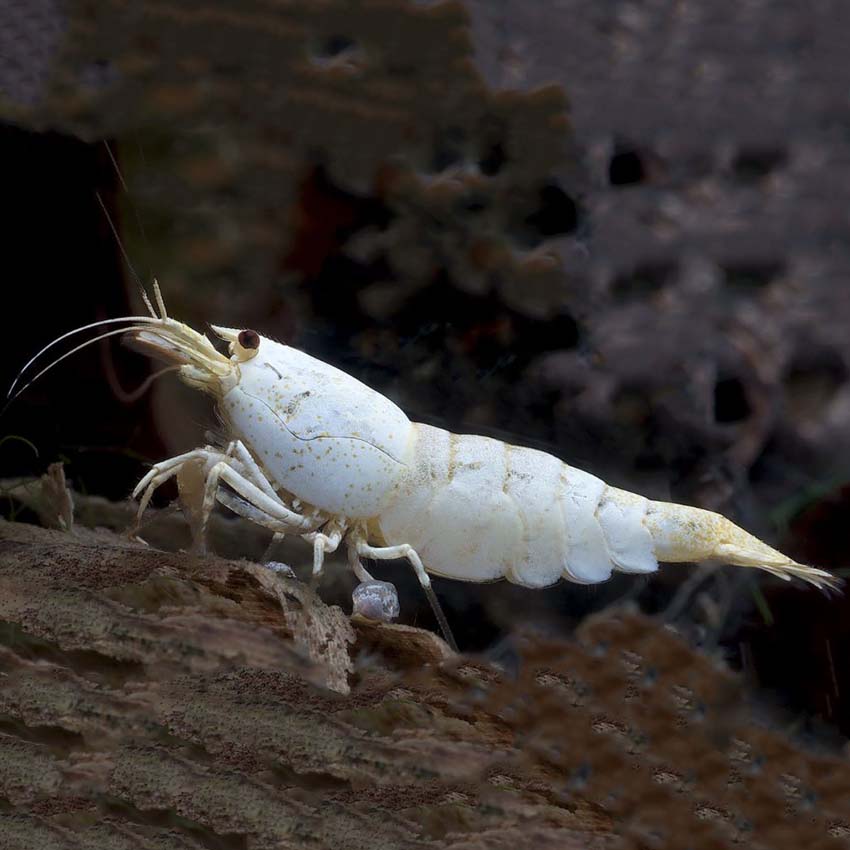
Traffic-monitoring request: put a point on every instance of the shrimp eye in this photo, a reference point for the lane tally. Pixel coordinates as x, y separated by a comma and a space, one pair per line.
249, 340
245, 346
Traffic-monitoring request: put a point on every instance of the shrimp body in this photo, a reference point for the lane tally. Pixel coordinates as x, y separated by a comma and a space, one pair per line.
316, 453
478, 509
472, 508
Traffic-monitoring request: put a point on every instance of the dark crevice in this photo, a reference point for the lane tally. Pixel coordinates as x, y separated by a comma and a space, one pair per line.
749, 276
285, 776
57, 740
492, 159
334, 45
643, 280
626, 167
752, 165
560, 333
87, 663
552, 213
169, 819
557, 213
475, 203
730, 401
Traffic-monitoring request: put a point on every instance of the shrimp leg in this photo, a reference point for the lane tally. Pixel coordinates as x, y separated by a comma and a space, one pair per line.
404, 550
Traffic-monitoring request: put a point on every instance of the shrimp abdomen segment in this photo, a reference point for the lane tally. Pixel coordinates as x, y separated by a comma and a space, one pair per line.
622, 517
453, 509
478, 509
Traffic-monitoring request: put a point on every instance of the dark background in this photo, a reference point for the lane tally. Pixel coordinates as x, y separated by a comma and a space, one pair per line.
613, 231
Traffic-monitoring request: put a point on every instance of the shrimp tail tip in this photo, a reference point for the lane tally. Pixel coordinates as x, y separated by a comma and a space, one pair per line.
684, 533
778, 565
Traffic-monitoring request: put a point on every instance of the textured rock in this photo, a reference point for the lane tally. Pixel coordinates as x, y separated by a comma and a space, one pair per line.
151, 699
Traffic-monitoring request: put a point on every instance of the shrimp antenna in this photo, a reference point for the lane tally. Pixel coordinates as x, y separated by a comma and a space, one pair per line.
157, 292
126, 189
133, 206
126, 256
74, 350
137, 319
136, 394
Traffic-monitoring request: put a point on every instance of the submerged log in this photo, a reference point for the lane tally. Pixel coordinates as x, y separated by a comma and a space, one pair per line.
159, 700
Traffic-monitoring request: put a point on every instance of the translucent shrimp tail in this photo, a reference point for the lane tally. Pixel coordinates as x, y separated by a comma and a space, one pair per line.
683, 533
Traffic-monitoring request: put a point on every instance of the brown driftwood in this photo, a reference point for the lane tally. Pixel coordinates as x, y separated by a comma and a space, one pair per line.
156, 700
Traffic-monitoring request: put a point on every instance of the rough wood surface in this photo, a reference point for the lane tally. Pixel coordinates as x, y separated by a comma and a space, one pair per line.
155, 700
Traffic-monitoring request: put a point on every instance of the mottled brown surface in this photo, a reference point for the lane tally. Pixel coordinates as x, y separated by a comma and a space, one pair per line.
151, 699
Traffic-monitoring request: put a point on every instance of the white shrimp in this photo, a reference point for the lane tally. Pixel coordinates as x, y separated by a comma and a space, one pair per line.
316, 453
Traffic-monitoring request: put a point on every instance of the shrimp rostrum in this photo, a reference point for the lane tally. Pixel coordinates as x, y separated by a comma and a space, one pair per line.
316, 453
